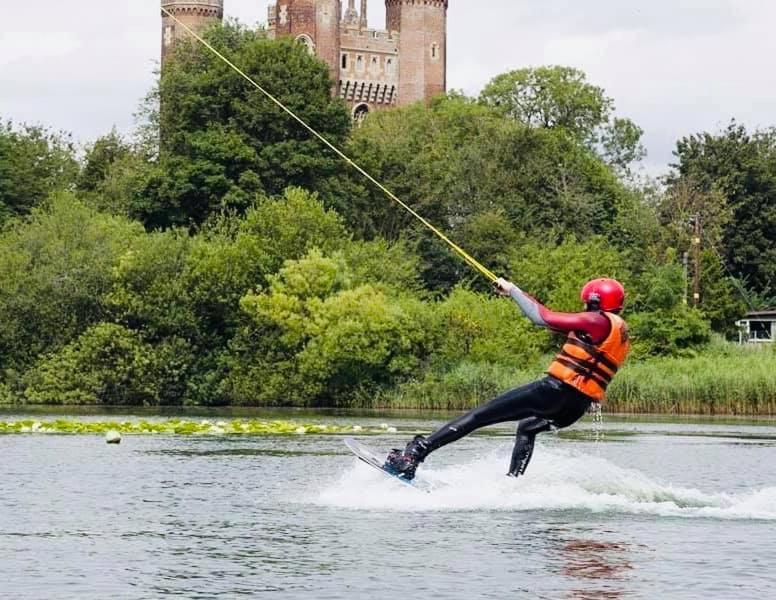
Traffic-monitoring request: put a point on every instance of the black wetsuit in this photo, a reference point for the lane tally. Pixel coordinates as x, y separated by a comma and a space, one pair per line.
538, 406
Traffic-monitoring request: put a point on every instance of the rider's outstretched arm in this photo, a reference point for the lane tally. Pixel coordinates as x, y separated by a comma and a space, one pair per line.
593, 323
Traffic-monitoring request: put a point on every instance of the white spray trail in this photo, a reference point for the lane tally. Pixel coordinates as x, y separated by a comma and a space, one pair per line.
557, 480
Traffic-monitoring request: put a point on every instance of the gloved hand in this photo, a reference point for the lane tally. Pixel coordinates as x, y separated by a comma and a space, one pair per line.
503, 287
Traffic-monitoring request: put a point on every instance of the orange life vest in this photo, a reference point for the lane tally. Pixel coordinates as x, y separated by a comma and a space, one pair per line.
591, 367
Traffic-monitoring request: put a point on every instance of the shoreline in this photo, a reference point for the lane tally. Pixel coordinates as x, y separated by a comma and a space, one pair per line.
237, 412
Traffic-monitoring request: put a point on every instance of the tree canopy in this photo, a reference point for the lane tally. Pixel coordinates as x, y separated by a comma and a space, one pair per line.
556, 97
34, 162
223, 142
741, 167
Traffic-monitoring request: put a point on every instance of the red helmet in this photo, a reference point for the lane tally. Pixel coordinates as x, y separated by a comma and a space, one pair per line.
607, 293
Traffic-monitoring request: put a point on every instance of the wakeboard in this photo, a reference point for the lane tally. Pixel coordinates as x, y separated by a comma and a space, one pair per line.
373, 459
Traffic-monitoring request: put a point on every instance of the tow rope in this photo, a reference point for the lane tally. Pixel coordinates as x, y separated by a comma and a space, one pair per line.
458, 250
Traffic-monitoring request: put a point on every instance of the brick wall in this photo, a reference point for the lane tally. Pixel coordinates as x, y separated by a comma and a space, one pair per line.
327, 39
422, 28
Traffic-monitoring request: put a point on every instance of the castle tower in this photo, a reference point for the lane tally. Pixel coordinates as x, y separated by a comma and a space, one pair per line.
328, 15
197, 14
351, 15
315, 23
422, 30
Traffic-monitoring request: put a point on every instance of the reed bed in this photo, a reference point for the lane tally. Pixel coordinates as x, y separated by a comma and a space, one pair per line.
723, 380
732, 382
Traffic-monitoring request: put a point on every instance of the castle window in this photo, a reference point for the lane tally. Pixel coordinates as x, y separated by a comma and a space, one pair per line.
360, 113
307, 42
359, 63
168, 35
434, 51
344, 61
389, 66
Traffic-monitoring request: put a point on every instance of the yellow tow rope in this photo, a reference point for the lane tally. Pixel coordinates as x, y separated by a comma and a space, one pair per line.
460, 251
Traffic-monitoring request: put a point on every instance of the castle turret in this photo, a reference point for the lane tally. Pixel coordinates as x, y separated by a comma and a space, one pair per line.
327, 36
314, 23
197, 14
422, 30
351, 16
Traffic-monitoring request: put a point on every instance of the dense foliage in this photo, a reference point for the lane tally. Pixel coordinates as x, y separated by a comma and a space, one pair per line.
237, 262
561, 98
34, 162
222, 141
741, 167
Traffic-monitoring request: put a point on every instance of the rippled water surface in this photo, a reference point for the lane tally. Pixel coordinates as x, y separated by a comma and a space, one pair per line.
667, 510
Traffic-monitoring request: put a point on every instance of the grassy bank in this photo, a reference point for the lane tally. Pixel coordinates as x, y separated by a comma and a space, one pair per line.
733, 381
724, 379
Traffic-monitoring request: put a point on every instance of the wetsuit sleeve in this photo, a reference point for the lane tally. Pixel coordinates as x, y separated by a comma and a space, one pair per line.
593, 324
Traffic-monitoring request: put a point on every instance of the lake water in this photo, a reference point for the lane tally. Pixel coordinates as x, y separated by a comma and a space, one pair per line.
652, 510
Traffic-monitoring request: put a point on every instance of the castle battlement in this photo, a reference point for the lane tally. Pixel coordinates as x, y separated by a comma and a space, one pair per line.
374, 34
434, 3
369, 40
214, 8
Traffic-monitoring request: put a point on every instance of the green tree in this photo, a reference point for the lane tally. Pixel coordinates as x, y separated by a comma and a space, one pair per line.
109, 364
721, 302
561, 98
99, 158
55, 269
663, 324
742, 168
318, 335
457, 161
555, 275
34, 162
550, 97
679, 207
223, 142
685, 201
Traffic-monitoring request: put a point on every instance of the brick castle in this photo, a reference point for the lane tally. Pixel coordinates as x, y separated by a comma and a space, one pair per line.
372, 69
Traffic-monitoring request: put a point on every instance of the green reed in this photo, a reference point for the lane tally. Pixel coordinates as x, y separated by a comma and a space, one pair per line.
733, 381
725, 379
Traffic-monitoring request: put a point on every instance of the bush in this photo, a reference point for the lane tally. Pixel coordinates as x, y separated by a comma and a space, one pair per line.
480, 329
677, 332
54, 271
664, 325
288, 227
149, 292
107, 364
556, 274
315, 337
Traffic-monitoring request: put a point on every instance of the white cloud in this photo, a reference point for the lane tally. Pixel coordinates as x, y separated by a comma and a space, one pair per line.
24, 46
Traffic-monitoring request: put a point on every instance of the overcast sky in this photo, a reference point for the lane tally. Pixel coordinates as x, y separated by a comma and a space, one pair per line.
674, 66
